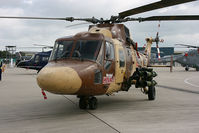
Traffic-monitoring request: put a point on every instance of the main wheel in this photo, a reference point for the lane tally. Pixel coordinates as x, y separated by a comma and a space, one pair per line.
186, 68
92, 103
151, 93
83, 103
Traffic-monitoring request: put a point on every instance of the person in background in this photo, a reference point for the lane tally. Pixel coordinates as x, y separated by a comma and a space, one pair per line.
1, 66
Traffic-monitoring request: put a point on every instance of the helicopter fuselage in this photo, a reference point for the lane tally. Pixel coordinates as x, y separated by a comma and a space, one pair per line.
100, 61
101, 71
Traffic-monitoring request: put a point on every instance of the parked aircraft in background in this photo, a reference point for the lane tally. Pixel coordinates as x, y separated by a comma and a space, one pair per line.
187, 59
190, 58
22, 56
37, 62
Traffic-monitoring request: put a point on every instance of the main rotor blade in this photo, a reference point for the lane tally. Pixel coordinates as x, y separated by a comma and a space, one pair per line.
152, 6
79, 24
44, 46
11, 17
160, 18
169, 18
188, 46
92, 20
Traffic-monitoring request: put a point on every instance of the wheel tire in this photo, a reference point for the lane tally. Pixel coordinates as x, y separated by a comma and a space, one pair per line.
83, 103
151, 93
186, 68
92, 103
197, 69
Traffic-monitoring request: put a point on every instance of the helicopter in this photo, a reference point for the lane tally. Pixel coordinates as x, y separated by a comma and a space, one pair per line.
36, 62
104, 59
189, 58
186, 59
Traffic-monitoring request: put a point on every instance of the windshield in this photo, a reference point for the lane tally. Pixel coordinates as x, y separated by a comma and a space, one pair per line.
61, 50
82, 49
87, 49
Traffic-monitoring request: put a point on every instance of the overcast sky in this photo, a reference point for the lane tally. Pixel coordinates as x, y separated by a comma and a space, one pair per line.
25, 33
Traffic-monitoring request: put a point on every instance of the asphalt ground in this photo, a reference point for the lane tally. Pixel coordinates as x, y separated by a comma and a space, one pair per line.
175, 110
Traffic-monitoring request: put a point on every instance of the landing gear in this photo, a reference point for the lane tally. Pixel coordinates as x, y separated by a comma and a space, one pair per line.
186, 68
84, 102
92, 102
143, 78
151, 93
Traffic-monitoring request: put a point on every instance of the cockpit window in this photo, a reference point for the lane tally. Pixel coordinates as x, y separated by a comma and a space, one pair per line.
81, 49
87, 49
61, 50
109, 55
37, 58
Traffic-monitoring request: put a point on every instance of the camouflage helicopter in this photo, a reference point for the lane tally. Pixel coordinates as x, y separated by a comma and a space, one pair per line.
104, 59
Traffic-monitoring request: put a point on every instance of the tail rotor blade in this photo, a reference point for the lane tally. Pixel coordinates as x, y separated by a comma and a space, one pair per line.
157, 39
158, 50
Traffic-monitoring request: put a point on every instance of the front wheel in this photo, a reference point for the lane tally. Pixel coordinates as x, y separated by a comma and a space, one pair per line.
83, 103
151, 93
92, 103
186, 68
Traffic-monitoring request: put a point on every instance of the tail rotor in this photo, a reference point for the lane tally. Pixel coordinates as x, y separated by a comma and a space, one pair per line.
157, 40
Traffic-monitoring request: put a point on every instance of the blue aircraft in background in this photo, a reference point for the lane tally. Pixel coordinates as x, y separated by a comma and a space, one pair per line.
37, 61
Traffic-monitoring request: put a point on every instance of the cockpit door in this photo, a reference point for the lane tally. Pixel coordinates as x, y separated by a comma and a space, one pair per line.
120, 65
109, 63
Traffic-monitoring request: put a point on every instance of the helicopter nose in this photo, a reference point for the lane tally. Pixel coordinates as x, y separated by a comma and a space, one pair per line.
59, 80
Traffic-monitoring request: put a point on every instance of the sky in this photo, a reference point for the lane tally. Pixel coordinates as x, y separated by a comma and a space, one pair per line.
25, 33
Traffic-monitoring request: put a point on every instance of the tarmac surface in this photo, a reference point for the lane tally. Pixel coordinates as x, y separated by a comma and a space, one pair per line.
175, 110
